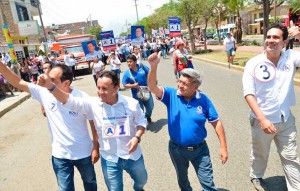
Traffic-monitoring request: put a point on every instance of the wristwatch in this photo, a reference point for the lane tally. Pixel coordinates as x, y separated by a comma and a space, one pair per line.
138, 138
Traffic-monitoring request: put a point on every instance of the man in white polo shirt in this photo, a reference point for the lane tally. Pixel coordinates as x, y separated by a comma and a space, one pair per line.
120, 123
71, 143
268, 88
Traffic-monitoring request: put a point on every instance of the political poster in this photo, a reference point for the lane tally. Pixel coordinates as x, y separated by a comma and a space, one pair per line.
108, 40
90, 49
137, 35
174, 27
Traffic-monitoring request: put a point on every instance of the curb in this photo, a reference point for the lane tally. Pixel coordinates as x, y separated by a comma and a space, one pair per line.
234, 67
11, 104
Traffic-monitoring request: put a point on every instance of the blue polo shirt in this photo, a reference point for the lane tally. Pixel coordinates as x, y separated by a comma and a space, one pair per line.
186, 120
140, 77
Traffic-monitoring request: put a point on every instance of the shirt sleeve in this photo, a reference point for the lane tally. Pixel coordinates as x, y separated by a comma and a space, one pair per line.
165, 98
248, 79
212, 114
80, 105
296, 58
139, 117
35, 92
126, 78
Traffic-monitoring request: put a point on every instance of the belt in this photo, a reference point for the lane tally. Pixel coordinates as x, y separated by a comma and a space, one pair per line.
189, 148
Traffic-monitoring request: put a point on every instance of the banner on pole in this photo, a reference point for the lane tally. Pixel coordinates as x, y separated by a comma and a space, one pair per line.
174, 27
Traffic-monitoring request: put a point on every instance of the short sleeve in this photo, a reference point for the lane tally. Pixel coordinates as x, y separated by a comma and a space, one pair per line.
212, 114
35, 92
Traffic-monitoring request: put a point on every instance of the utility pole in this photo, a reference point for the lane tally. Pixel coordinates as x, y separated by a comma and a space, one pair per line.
90, 16
39, 9
136, 10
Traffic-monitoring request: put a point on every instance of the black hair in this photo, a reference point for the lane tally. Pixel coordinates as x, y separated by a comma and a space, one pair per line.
112, 75
50, 64
67, 73
90, 42
284, 29
132, 57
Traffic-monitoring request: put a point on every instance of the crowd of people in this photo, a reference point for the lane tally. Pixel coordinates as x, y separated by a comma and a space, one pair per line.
118, 122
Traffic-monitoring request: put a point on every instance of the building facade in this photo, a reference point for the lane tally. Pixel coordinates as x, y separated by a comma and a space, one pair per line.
14, 12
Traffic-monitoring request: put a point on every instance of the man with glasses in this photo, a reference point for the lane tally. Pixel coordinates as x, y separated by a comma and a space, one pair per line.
188, 109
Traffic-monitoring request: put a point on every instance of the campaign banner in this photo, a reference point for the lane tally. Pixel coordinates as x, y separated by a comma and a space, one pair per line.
167, 32
137, 35
153, 32
108, 40
10, 45
174, 27
161, 31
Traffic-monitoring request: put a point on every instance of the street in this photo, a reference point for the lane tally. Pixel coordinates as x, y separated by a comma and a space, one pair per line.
25, 145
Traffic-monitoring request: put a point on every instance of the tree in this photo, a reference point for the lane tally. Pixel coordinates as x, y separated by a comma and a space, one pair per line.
189, 11
295, 4
266, 10
236, 6
95, 31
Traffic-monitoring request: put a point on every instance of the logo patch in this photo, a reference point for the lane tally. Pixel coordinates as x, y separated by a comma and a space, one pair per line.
53, 106
286, 68
73, 113
109, 131
199, 110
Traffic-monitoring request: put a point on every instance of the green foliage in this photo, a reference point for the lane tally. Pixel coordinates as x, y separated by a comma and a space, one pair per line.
95, 31
295, 4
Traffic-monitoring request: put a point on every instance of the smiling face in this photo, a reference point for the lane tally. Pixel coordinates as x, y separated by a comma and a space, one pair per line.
107, 90
138, 32
274, 41
186, 86
91, 47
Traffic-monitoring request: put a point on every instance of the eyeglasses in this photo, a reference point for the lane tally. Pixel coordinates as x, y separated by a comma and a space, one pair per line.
183, 83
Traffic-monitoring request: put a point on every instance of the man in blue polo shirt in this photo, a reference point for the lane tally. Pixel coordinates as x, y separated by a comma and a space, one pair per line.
188, 109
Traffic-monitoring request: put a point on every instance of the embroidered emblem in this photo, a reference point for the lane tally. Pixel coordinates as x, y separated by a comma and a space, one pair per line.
199, 110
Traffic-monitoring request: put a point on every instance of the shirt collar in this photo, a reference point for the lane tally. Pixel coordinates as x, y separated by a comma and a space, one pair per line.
197, 96
121, 100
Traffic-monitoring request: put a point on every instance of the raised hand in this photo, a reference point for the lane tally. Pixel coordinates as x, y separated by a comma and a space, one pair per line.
44, 80
154, 59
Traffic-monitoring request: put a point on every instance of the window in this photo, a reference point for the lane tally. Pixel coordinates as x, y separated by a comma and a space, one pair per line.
34, 3
255, 17
261, 15
22, 13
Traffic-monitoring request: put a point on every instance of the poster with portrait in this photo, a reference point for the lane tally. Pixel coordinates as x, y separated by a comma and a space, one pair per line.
137, 35
108, 40
174, 27
90, 49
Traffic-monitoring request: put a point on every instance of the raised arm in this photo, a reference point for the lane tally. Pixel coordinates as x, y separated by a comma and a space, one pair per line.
153, 87
13, 79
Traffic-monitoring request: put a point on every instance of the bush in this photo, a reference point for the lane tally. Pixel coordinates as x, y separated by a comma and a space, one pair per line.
202, 51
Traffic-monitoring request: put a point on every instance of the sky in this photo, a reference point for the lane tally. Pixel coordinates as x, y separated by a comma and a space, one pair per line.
111, 14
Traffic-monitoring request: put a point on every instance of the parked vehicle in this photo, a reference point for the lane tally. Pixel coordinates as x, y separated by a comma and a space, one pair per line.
209, 35
72, 44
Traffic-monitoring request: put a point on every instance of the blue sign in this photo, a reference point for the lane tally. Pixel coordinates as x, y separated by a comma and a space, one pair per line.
174, 26
108, 40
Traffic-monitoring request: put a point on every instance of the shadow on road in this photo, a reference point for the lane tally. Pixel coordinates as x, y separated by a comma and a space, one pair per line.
157, 125
222, 189
275, 183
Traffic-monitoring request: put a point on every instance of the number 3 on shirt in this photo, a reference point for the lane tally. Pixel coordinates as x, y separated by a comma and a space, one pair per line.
264, 72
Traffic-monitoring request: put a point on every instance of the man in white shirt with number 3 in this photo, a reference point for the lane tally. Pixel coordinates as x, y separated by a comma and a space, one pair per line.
268, 87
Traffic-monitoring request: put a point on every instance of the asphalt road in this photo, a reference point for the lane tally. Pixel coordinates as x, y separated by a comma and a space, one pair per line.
25, 149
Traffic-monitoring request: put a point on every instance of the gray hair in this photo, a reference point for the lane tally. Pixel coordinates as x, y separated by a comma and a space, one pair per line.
193, 74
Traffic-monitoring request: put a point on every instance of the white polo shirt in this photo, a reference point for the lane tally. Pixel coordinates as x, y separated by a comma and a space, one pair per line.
112, 139
273, 87
69, 131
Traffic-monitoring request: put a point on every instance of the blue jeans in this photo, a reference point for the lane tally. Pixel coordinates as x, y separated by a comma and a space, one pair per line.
147, 105
163, 52
64, 171
113, 173
199, 158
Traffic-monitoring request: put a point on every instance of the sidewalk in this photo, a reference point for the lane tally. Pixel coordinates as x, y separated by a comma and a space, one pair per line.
10, 102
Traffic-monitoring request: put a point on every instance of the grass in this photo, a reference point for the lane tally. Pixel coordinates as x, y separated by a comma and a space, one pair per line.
240, 59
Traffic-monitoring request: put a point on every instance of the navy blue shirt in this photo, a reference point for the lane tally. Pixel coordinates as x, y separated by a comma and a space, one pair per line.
140, 77
186, 119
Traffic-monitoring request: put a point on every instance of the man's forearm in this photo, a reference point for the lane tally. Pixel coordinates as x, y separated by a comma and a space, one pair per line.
251, 100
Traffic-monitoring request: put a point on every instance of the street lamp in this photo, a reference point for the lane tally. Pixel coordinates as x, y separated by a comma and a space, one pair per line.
220, 9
